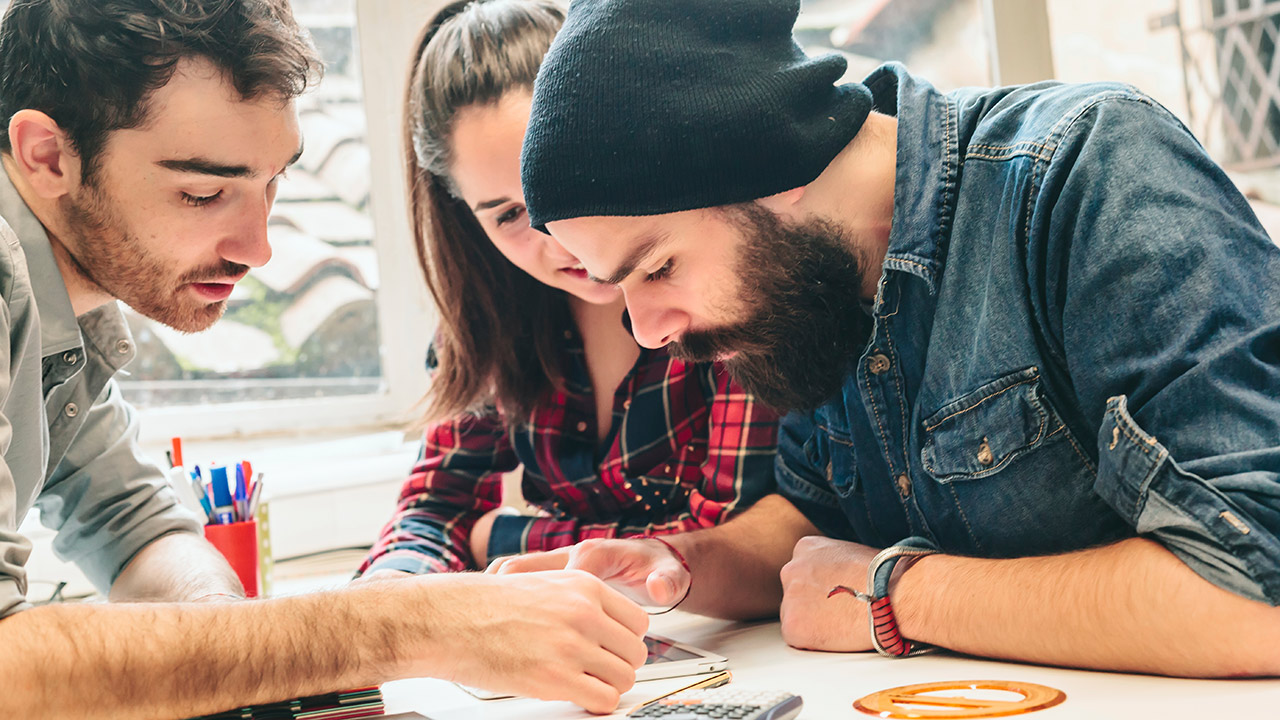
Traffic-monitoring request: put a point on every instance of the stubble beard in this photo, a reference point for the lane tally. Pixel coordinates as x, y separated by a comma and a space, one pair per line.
110, 257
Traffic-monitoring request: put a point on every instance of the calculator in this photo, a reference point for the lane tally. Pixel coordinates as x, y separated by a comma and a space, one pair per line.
722, 702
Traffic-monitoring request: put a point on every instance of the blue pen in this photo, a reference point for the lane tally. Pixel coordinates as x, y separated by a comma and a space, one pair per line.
198, 487
222, 506
242, 493
197, 481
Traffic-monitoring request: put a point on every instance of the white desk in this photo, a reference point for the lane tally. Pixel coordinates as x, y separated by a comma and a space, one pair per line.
830, 682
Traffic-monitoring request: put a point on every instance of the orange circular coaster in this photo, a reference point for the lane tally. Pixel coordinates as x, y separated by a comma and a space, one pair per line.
914, 701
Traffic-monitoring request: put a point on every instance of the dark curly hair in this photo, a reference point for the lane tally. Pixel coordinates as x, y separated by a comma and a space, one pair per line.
92, 65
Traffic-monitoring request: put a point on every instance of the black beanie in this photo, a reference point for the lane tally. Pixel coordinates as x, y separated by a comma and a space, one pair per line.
644, 107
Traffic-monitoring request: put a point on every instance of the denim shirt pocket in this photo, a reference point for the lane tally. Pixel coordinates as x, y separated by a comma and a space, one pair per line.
984, 431
833, 449
1018, 482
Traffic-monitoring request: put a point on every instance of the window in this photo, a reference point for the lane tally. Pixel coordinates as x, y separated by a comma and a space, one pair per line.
332, 332
304, 325
1213, 63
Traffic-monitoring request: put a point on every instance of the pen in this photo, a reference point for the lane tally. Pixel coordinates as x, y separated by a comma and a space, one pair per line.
176, 457
721, 678
222, 506
255, 496
242, 495
198, 487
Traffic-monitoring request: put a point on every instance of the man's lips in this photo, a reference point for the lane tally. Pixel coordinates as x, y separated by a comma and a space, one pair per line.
215, 290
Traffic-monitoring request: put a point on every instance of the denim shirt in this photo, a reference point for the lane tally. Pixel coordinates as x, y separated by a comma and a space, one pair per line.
1076, 340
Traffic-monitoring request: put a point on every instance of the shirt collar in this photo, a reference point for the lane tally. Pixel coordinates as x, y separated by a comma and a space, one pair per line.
927, 167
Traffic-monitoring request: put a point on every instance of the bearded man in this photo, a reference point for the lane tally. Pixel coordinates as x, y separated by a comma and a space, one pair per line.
1030, 336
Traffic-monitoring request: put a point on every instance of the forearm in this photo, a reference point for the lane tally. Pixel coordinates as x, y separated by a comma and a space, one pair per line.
165, 660
1131, 606
175, 568
735, 565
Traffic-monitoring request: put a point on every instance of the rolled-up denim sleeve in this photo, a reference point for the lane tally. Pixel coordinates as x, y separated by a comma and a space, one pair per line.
105, 499
1164, 293
800, 479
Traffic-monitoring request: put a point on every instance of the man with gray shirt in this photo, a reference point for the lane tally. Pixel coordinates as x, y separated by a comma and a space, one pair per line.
145, 140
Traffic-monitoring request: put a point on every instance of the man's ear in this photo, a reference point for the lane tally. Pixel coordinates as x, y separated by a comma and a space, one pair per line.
42, 153
786, 203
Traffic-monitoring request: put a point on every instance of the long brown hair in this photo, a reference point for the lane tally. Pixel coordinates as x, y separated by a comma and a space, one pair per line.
500, 329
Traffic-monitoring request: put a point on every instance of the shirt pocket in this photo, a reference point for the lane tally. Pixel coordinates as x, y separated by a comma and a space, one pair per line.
986, 430
831, 449
1018, 482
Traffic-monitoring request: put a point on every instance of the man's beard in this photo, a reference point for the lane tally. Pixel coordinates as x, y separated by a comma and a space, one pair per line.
109, 256
805, 327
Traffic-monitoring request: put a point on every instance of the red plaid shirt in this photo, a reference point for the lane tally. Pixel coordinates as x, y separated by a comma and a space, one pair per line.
688, 448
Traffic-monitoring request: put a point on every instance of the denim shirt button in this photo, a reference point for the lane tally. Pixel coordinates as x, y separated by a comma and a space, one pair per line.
71, 410
984, 453
877, 364
70, 358
904, 485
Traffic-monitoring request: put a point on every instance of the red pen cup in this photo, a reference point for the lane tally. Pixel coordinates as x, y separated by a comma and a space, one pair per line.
238, 543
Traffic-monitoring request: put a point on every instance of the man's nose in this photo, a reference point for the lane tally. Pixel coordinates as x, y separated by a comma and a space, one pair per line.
248, 243
654, 326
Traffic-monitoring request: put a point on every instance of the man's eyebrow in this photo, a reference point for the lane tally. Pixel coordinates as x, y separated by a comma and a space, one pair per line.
203, 166
634, 260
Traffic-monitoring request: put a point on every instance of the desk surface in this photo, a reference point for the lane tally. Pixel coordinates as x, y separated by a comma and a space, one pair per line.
830, 682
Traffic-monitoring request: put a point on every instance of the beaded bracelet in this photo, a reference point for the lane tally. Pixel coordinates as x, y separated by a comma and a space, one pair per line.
683, 563
885, 635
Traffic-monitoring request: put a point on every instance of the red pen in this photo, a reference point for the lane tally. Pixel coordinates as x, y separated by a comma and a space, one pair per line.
177, 451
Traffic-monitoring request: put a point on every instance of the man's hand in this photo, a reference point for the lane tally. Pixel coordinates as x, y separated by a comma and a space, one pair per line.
554, 636
644, 570
811, 620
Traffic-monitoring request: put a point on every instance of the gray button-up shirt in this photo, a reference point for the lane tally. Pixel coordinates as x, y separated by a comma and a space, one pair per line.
69, 441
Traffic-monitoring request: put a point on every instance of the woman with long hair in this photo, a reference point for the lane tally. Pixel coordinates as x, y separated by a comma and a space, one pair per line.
532, 364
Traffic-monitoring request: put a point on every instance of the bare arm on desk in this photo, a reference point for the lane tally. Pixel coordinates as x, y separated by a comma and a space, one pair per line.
174, 568
1131, 606
734, 566
134, 661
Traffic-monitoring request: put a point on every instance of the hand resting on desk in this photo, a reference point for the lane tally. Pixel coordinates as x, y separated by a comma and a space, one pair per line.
810, 619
